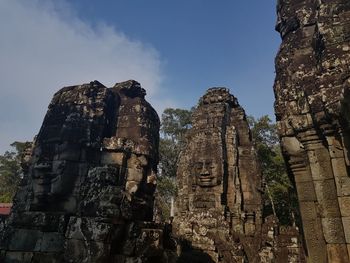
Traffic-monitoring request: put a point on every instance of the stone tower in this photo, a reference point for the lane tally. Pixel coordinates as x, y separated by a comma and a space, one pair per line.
219, 197
87, 192
312, 111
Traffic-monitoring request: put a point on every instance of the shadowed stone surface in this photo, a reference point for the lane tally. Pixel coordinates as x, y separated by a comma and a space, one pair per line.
87, 193
219, 203
312, 111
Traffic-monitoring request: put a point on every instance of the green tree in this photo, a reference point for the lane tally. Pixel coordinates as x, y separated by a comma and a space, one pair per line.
166, 192
174, 124
280, 195
10, 171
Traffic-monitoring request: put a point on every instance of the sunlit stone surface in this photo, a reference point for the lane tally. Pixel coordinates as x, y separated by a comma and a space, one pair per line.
312, 110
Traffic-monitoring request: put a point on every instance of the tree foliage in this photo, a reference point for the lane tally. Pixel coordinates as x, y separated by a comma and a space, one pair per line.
280, 195
166, 191
174, 124
10, 171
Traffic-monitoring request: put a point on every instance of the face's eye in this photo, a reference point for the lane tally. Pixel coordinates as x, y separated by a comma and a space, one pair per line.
198, 166
209, 165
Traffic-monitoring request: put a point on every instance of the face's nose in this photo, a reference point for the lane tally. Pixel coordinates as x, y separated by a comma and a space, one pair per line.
204, 170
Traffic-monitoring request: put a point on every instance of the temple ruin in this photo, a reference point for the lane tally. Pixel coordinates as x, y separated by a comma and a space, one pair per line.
87, 192
219, 203
312, 111
90, 175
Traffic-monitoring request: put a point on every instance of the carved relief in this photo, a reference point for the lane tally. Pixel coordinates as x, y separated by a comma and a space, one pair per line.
311, 90
89, 184
219, 199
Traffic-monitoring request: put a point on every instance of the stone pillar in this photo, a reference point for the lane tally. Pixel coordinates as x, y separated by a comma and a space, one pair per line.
342, 182
312, 109
326, 193
219, 196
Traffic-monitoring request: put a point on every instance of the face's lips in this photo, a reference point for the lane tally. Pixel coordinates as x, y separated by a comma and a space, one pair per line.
43, 182
40, 193
206, 178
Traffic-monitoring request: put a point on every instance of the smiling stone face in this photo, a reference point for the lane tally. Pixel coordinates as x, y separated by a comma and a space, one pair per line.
206, 155
206, 172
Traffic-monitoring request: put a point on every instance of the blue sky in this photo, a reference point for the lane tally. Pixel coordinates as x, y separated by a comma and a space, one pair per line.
176, 49
202, 43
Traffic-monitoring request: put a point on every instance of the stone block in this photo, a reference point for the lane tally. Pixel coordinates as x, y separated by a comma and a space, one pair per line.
320, 164
134, 175
337, 253
25, 240
308, 210
343, 185
316, 250
313, 230
302, 175
119, 258
47, 258
306, 191
346, 226
314, 239
333, 230
52, 242
26, 219
325, 190
75, 249
344, 204
18, 257
329, 208
339, 167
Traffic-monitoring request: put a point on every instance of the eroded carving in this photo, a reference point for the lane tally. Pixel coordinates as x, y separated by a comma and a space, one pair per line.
311, 90
219, 203
88, 188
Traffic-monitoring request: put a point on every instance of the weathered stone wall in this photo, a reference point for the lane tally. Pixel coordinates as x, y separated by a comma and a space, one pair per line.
219, 203
312, 111
87, 193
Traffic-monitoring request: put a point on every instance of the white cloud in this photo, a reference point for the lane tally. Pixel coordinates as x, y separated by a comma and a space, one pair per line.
44, 47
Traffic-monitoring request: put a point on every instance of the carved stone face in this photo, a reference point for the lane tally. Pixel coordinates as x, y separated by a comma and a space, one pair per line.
53, 180
207, 172
63, 177
41, 182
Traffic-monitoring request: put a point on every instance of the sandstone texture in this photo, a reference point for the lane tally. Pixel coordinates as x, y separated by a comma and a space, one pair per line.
88, 190
219, 203
312, 111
